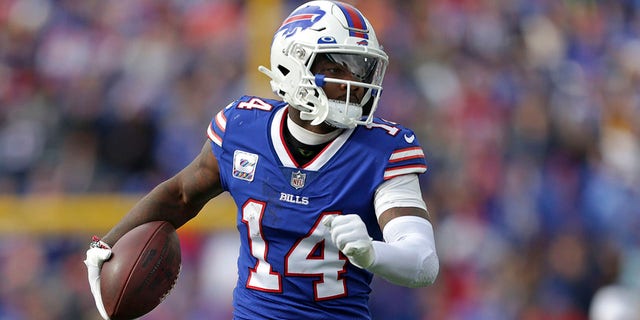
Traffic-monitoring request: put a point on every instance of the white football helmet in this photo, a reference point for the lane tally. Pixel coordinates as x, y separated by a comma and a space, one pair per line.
343, 35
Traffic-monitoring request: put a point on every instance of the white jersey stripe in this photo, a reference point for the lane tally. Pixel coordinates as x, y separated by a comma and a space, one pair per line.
213, 136
398, 171
406, 154
221, 121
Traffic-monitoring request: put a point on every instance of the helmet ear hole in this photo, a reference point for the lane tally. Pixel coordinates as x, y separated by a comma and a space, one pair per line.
283, 70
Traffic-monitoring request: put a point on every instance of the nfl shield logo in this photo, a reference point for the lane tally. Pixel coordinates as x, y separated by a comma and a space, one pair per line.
297, 179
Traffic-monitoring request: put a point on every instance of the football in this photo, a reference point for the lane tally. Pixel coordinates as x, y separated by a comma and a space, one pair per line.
143, 268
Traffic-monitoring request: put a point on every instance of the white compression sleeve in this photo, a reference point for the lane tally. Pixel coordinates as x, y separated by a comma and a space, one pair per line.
408, 255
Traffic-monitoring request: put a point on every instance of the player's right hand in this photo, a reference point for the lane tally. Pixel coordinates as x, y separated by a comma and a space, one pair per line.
98, 253
349, 234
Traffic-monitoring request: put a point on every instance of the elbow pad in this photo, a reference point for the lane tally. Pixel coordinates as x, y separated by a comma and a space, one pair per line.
408, 255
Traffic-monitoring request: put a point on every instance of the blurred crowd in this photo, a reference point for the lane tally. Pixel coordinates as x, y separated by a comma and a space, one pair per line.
528, 111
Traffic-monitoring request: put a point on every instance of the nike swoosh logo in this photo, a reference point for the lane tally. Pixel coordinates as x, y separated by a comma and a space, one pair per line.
409, 139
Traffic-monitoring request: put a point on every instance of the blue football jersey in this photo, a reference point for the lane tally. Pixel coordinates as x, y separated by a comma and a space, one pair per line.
288, 267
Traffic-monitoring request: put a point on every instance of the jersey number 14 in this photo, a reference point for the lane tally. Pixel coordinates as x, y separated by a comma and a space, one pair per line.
310, 256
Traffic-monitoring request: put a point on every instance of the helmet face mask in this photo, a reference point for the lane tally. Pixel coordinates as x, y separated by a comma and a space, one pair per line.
337, 32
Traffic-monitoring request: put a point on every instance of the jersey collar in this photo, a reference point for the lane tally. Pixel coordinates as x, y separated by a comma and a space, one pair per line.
283, 153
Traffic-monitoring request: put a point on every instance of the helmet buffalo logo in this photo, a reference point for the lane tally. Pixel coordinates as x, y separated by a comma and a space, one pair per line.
301, 19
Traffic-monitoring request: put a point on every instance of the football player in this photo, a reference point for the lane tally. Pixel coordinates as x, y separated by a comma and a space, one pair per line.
327, 194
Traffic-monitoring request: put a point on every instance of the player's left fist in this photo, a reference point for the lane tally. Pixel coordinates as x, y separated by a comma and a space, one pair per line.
349, 234
98, 253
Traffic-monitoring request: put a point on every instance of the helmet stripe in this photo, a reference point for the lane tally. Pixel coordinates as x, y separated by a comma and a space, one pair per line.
298, 17
355, 21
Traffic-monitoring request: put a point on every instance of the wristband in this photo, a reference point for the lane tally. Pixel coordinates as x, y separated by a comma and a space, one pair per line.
97, 243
